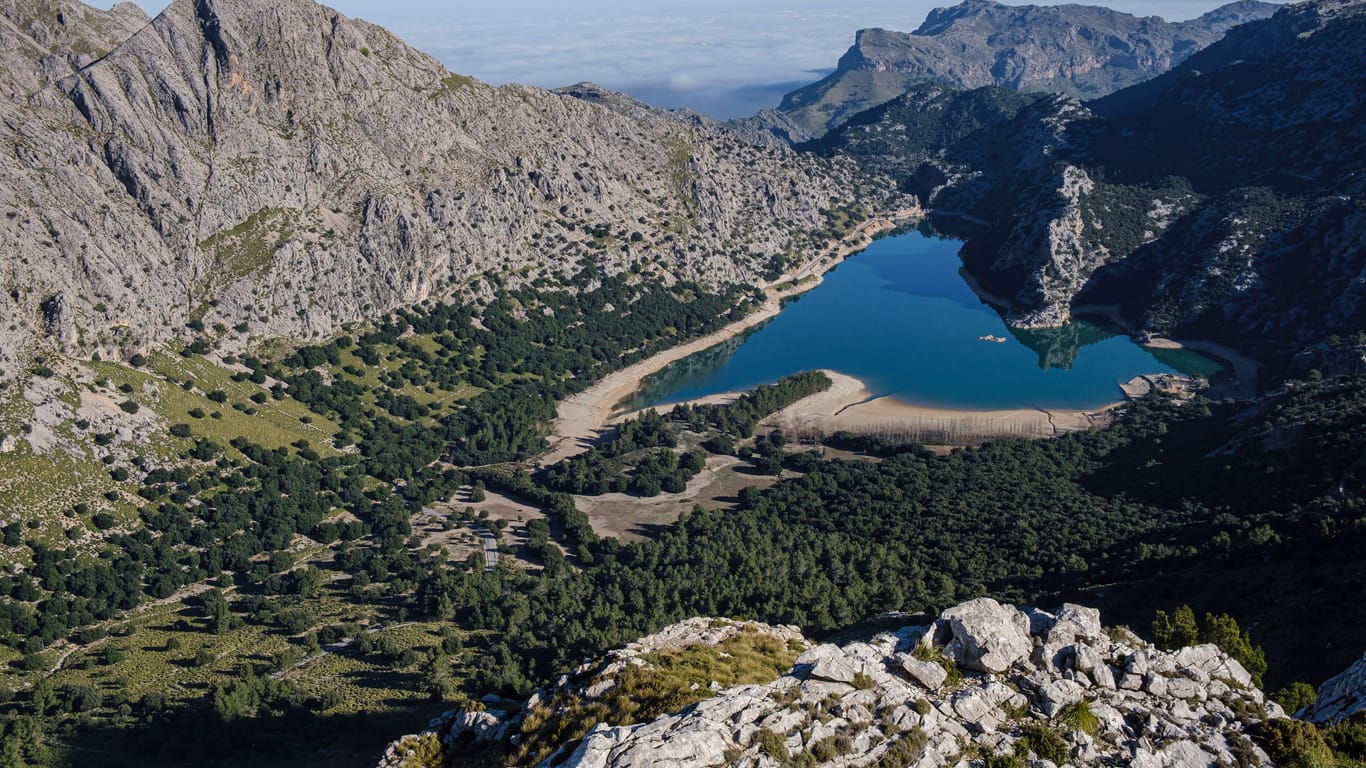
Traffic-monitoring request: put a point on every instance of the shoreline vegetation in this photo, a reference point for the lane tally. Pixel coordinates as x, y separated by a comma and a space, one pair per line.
582, 419
849, 405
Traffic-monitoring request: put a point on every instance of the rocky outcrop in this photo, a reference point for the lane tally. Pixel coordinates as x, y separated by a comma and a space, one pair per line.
494, 720
1076, 50
984, 679
278, 169
1340, 697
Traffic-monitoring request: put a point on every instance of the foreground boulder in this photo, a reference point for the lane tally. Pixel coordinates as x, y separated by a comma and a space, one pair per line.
984, 679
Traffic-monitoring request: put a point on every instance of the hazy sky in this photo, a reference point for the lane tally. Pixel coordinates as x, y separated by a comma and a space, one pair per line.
724, 57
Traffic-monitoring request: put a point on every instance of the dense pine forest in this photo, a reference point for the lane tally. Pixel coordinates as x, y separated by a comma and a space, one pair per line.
258, 567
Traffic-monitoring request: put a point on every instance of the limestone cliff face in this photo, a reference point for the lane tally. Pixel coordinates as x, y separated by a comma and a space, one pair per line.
1222, 200
983, 679
1340, 696
278, 169
45, 40
1076, 50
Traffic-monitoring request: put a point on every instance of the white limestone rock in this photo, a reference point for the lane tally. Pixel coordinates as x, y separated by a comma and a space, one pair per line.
927, 673
987, 636
1340, 697
1180, 709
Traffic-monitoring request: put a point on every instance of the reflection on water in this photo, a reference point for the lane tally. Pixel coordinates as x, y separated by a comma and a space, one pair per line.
1059, 347
690, 372
1188, 362
900, 317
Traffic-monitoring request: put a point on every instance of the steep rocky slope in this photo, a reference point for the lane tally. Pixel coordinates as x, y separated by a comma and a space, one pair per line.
277, 169
1222, 199
45, 40
1340, 697
1077, 50
984, 681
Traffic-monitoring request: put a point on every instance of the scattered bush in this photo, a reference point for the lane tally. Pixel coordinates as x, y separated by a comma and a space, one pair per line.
1079, 717
773, 745
1043, 741
1296, 696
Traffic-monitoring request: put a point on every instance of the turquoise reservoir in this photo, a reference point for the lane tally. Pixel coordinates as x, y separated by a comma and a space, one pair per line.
900, 317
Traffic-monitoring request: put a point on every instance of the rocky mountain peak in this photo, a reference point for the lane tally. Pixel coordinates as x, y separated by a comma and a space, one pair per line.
276, 169
45, 40
1078, 50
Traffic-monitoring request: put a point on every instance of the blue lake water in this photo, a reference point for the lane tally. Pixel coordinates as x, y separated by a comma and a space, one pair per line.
900, 317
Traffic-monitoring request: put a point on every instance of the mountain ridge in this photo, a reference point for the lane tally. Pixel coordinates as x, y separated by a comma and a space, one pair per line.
1078, 50
227, 149
1218, 198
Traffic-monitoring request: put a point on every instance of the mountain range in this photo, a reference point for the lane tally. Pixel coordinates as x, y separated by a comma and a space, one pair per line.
1077, 50
265, 172
1218, 200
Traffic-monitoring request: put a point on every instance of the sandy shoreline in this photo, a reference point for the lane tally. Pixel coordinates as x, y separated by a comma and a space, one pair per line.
1244, 368
850, 406
580, 419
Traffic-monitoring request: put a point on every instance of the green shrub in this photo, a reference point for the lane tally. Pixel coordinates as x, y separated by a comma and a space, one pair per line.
1079, 717
1348, 738
905, 750
1045, 742
927, 652
1295, 744
829, 748
423, 751
772, 744
1295, 696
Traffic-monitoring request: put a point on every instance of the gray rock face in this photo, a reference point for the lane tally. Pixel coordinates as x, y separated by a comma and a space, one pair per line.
987, 636
896, 718
1339, 697
1179, 242
284, 166
926, 673
1141, 200
1077, 50
45, 40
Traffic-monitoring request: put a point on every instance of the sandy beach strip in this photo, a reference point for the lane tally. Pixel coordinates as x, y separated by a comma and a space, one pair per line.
1245, 369
851, 407
581, 419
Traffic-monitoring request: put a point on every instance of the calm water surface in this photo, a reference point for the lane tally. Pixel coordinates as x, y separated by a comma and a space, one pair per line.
901, 318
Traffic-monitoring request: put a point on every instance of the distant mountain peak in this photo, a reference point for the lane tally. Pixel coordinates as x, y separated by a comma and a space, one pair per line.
1079, 50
